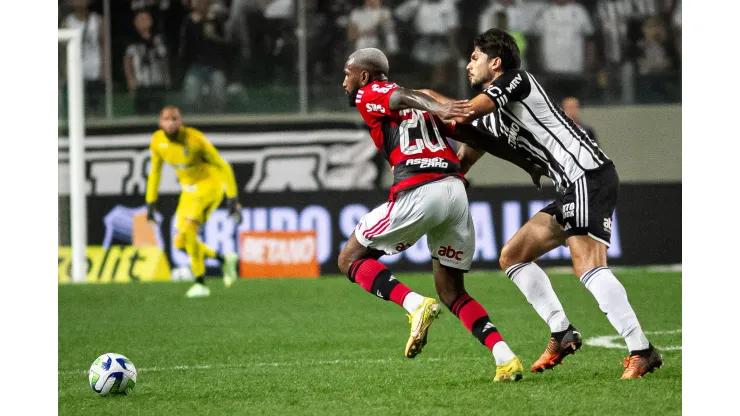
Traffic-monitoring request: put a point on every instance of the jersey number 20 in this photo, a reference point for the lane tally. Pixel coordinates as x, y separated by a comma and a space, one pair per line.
409, 132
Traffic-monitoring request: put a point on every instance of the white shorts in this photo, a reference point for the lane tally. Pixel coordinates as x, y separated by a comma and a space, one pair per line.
438, 209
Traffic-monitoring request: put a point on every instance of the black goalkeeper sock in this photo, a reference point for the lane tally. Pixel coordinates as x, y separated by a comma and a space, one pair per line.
201, 280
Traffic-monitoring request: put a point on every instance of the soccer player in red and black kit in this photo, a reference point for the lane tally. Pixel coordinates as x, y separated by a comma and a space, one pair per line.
513, 106
428, 196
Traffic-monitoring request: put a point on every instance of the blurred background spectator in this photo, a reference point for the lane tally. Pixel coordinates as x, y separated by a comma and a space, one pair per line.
94, 50
572, 108
204, 54
146, 67
279, 35
510, 16
655, 62
601, 51
566, 46
371, 26
435, 48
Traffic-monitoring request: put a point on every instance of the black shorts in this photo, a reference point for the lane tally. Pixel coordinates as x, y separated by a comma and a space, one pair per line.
587, 206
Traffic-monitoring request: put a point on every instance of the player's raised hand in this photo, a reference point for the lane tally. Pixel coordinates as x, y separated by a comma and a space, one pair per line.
151, 210
452, 109
235, 210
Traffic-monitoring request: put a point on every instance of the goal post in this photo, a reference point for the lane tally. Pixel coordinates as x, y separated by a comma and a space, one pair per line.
76, 133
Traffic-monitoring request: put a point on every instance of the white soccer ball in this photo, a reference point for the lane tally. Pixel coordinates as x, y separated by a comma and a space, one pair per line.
112, 373
182, 274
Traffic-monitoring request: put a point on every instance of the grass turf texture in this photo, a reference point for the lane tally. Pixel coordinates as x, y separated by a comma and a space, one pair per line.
327, 347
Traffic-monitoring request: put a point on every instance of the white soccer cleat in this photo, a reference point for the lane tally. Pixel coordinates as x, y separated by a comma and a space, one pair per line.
198, 290
231, 262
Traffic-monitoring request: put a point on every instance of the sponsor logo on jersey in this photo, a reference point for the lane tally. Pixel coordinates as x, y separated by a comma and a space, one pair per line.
426, 162
382, 90
511, 133
450, 253
569, 210
370, 107
608, 224
514, 82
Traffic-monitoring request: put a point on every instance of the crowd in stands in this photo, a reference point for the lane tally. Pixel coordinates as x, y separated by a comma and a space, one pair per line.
622, 51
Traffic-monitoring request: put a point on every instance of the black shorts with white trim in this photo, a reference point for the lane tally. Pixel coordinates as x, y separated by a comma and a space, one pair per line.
587, 206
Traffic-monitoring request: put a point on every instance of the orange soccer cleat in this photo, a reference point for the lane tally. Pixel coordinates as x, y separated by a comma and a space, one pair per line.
639, 364
557, 350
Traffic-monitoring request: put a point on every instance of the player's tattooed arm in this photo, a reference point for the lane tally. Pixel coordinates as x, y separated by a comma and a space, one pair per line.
402, 98
437, 96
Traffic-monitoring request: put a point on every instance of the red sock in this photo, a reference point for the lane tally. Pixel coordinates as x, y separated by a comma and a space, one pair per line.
374, 277
475, 318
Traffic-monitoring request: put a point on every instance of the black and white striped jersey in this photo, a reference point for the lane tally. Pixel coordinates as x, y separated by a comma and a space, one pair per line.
528, 120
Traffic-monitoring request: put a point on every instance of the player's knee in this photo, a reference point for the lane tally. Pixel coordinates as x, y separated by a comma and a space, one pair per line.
586, 255
190, 226
449, 296
345, 260
510, 256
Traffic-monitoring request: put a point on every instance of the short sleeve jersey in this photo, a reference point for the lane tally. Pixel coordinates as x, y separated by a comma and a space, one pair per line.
413, 142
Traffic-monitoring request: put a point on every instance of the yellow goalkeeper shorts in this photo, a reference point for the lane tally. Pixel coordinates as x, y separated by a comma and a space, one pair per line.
197, 202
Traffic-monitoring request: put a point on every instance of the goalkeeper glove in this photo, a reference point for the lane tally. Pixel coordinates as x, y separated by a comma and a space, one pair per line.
151, 209
235, 210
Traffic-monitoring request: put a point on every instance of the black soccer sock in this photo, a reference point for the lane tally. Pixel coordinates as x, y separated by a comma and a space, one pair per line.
559, 335
200, 279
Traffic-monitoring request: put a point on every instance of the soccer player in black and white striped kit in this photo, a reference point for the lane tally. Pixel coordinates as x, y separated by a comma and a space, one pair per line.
513, 106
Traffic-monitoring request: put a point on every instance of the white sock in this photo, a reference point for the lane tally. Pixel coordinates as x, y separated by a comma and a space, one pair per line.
612, 299
536, 287
412, 301
502, 353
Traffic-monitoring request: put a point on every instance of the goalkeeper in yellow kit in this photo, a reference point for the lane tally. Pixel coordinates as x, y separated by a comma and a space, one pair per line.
203, 176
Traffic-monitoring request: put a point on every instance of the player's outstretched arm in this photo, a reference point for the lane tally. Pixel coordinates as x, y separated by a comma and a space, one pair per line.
437, 96
403, 98
480, 105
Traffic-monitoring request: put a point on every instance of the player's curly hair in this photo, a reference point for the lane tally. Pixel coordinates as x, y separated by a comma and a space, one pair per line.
496, 42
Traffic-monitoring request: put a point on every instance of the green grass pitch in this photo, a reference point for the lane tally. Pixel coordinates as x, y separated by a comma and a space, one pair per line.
326, 347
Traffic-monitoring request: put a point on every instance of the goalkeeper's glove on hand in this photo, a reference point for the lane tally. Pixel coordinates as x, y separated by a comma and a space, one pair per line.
151, 210
235, 210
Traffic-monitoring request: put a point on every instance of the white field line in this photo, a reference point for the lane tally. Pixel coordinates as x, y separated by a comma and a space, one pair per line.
620, 269
615, 341
257, 364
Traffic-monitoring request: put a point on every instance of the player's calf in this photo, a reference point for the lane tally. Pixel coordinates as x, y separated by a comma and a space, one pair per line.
475, 319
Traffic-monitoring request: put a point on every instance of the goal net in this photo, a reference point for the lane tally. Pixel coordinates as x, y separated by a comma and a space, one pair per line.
72, 204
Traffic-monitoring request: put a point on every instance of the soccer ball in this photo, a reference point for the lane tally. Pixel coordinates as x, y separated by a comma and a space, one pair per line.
112, 374
182, 274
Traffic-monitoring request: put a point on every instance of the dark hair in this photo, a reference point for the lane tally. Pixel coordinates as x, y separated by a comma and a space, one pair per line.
496, 42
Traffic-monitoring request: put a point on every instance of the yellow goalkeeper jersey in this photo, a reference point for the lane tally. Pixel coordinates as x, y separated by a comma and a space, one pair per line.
194, 159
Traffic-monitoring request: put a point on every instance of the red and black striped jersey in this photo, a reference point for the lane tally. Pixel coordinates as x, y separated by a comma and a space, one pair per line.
413, 142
